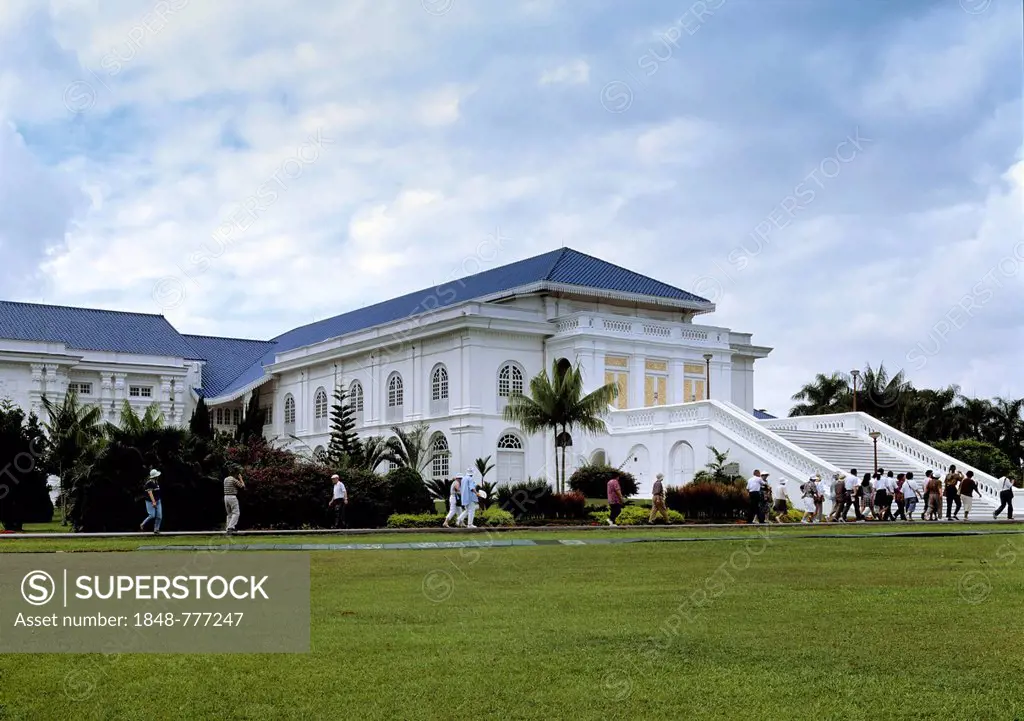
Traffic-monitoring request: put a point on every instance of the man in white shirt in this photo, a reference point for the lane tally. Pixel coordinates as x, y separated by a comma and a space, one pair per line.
851, 491
1005, 499
911, 492
754, 486
339, 501
781, 507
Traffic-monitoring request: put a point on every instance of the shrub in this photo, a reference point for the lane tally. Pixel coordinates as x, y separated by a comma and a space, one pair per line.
409, 494
107, 493
24, 497
708, 501
569, 506
525, 500
983, 456
592, 481
285, 497
636, 516
490, 517
369, 498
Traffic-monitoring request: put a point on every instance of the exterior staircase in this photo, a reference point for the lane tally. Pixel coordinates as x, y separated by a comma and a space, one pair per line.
842, 440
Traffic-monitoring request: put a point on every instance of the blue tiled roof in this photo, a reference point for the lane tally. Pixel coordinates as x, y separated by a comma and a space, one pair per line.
565, 266
762, 416
226, 359
93, 330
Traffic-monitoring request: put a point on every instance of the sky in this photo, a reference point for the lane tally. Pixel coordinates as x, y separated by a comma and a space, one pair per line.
844, 180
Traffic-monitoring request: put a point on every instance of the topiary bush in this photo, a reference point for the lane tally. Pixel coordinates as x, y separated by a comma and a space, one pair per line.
592, 481
708, 501
294, 496
528, 499
369, 498
409, 494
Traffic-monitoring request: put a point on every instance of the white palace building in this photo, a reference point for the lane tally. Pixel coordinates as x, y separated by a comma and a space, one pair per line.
450, 356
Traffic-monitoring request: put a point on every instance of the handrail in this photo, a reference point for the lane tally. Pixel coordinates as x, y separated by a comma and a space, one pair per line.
862, 424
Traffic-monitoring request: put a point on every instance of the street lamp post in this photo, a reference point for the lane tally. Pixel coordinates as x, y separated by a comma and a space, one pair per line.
874, 437
855, 373
707, 373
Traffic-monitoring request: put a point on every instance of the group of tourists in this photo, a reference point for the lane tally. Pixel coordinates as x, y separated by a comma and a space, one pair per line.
871, 497
155, 506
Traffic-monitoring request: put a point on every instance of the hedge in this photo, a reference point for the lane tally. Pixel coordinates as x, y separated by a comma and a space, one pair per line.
489, 517
637, 516
708, 501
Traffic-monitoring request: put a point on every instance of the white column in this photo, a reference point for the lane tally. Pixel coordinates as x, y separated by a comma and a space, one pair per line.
165, 398
179, 400
120, 394
106, 392
675, 381
36, 388
637, 371
415, 388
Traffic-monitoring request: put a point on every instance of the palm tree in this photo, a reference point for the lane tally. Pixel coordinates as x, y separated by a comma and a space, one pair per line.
411, 448
483, 467
74, 434
825, 394
1008, 427
134, 425
884, 397
557, 403
977, 416
375, 452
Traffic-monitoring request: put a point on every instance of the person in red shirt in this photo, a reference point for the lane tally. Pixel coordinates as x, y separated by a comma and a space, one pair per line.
614, 500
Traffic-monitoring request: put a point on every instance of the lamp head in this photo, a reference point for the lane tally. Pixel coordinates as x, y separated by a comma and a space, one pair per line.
874, 435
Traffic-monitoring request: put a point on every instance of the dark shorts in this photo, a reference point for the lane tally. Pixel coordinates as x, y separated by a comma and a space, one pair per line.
880, 498
780, 506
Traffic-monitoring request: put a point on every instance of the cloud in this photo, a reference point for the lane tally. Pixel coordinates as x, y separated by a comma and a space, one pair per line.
576, 72
192, 163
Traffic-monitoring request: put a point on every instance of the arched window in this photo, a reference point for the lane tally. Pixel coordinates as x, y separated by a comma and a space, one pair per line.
355, 396
511, 461
510, 442
289, 410
439, 384
439, 391
510, 383
320, 410
320, 454
396, 398
220, 416
439, 456
236, 415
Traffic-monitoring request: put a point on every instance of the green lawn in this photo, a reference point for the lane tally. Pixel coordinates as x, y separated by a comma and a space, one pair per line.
787, 629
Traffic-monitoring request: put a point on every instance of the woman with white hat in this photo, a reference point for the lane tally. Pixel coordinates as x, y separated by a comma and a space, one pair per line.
454, 500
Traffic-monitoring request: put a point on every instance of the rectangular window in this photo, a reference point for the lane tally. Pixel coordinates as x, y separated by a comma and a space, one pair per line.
140, 391
268, 415
616, 371
81, 389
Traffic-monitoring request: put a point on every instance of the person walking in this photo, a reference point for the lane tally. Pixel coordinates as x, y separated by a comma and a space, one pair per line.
231, 487
470, 500
154, 506
1005, 499
615, 502
339, 502
808, 491
968, 489
852, 483
901, 498
910, 495
781, 506
454, 500
819, 499
864, 491
933, 497
754, 485
952, 494
658, 499
838, 498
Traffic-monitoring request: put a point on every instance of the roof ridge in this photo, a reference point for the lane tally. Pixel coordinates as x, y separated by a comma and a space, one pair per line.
79, 307
225, 337
558, 259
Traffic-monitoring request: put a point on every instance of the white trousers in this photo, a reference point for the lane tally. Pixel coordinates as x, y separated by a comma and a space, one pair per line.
231, 508
968, 503
453, 508
469, 511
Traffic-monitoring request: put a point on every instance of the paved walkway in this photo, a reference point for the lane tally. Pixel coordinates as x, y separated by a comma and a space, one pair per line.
440, 545
724, 527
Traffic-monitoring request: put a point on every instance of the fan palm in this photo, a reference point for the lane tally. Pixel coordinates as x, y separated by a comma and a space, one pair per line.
557, 403
410, 448
825, 394
74, 434
484, 466
375, 452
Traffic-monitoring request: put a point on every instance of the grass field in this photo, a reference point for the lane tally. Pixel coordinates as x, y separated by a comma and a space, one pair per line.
775, 627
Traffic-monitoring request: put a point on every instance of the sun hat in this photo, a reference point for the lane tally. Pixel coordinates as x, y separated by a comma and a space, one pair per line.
154, 473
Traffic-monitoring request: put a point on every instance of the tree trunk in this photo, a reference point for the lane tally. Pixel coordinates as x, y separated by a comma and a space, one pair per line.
563, 461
